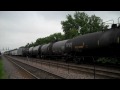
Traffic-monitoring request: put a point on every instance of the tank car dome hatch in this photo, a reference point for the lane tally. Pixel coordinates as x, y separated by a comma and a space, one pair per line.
114, 26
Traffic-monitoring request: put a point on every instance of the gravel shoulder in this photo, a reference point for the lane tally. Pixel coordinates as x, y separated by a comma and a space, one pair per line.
13, 72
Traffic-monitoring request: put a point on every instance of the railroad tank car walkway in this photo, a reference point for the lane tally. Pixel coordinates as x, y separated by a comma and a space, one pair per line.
11, 70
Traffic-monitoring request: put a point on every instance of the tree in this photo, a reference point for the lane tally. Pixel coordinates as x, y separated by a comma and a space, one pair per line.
27, 45
52, 38
82, 20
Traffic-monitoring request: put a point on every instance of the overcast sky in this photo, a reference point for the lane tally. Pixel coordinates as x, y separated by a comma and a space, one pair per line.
17, 28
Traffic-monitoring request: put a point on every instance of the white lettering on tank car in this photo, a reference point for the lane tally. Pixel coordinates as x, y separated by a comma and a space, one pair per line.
69, 45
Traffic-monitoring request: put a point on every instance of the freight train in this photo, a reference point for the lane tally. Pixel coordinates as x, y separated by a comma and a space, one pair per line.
103, 43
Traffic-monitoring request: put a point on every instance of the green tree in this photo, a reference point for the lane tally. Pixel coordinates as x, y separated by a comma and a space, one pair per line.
27, 45
52, 38
81, 21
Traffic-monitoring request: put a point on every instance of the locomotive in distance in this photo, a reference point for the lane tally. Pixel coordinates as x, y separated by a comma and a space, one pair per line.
104, 43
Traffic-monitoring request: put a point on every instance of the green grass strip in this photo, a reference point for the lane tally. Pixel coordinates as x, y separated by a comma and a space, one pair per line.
2, 72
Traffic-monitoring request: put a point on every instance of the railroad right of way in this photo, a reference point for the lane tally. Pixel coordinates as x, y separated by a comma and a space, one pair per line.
69, 71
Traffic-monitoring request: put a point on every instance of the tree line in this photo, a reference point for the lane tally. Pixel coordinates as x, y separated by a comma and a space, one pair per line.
78, 24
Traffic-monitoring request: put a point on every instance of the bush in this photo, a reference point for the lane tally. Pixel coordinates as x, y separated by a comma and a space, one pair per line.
106, 60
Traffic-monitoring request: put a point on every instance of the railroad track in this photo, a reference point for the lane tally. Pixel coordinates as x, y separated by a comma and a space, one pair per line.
95, 71
25, 70
34, 71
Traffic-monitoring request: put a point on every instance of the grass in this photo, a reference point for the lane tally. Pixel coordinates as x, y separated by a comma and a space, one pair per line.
113, 61
2, 72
